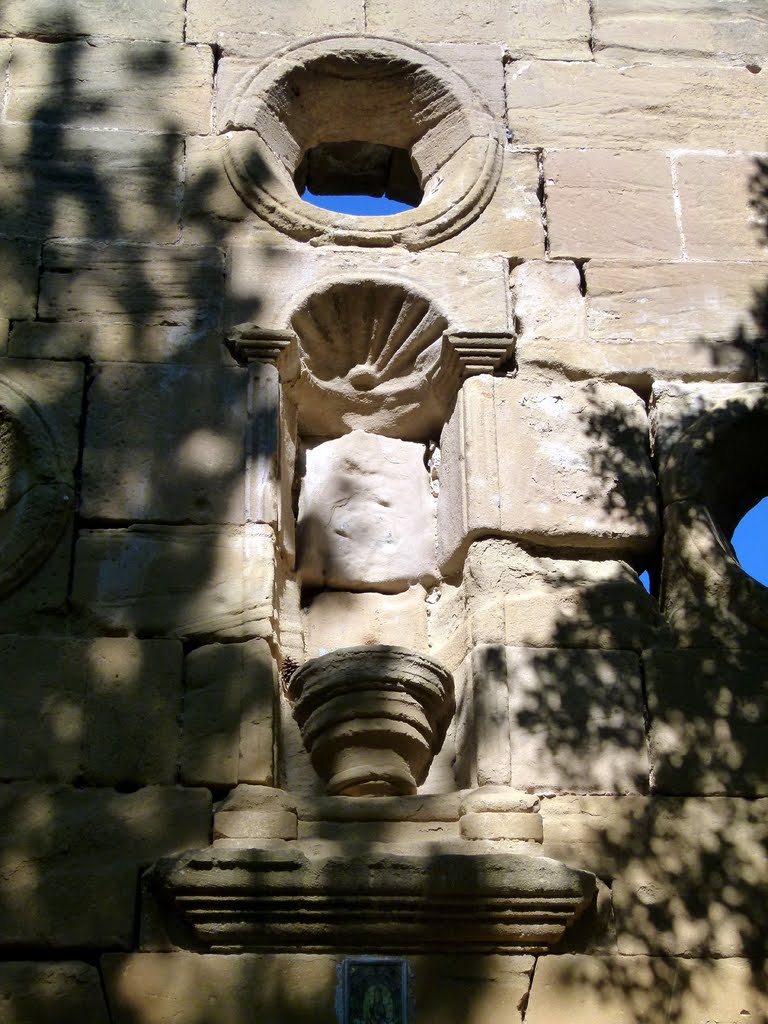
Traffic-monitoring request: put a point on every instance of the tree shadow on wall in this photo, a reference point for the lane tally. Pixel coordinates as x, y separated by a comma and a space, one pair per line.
687, 868
117, 332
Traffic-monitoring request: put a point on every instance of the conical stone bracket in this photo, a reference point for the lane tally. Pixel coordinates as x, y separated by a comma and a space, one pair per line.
306, 898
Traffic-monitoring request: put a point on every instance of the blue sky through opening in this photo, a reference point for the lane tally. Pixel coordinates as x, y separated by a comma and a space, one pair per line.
750, 542
361, 206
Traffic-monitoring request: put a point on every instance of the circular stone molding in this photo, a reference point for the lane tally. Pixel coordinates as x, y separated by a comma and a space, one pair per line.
35, 500
362, 89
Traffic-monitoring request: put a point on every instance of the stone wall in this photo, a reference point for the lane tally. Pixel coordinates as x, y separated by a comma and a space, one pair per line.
238, 432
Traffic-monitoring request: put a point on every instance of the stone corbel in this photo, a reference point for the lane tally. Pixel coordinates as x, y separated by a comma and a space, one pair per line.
475, 352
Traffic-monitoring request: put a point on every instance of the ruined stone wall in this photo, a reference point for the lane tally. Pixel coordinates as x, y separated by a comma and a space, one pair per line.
239, 434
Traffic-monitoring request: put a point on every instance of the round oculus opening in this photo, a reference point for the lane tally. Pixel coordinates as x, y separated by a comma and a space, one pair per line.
361, 178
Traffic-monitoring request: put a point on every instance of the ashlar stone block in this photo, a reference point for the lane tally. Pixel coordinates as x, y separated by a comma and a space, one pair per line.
160, 988
673, 303
18, 288
556, 720
182, 460
561, 104
199, 581
344, 619
206, 23
89, 184
134, 285
146, 86
366, 515
34, 992
103, 710
503, 469
555, 29
709, 721
720, 209
67, 851
228, 717
508, 596
699, 887
685, 31
641, 990
604, 203
121, 19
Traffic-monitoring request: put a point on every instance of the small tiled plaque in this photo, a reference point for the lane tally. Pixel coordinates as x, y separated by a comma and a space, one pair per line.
374, 990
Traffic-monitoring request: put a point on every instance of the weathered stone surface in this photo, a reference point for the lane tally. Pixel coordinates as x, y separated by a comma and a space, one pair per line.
46, 993
709, 721
180, 987
646, 321
185, 581
471, 292
338, 619
599, 990
699, 888
234, 899
438, 807
106, 340
182, 460
509, 596
562, 720
366, 515
609, 833
121, 19
556, 29
689, 31
501, 825
719, 208
511, 224
497, 799
400, 835
672, 303
254, 812
18, 288
583, 494
145, 86
604, 203
86, 184
40, 407
548, 305
228, 718
60, 846
205, 24
569, 105
135, 285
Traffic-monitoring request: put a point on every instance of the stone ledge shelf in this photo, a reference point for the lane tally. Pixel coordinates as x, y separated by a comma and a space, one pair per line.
365, 900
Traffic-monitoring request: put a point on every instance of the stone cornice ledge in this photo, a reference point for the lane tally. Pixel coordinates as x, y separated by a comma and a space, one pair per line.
363, 900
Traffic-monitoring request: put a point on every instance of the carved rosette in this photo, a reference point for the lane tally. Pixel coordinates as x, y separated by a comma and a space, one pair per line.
36, 500
372, 718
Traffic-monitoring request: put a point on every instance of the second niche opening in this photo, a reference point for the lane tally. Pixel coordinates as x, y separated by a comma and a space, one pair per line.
362, 178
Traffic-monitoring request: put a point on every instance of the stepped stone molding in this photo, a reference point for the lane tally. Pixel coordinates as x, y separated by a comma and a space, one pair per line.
277, 900
372, 718
394, 95
36, 501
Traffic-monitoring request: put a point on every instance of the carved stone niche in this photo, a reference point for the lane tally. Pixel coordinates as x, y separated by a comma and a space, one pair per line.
35, 499
373, 354
352, 900
710, 441
379, 97
372, 718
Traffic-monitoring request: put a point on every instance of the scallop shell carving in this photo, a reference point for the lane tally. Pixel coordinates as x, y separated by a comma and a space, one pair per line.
367, 333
